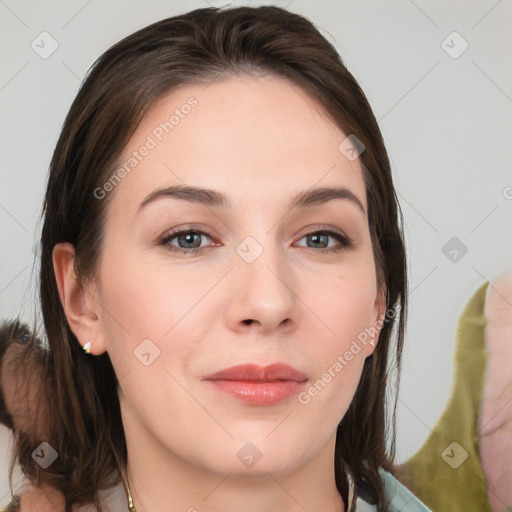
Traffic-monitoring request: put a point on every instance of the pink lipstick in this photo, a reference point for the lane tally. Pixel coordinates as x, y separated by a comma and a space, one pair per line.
258, 385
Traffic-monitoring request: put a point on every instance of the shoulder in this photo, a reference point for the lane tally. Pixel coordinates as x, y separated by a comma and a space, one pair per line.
400, 497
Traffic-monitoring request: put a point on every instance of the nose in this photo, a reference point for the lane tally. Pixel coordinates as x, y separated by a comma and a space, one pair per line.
262, 295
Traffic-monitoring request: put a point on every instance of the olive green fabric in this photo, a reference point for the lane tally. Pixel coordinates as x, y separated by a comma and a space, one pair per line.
429, 473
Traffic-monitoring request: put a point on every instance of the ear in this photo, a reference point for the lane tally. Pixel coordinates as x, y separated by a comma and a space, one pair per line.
80, 307
378, 318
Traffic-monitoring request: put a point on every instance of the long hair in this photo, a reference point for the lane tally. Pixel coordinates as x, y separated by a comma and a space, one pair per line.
198, 47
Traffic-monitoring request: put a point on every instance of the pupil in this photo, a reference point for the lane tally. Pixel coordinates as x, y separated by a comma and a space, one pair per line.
189, 235
316, 237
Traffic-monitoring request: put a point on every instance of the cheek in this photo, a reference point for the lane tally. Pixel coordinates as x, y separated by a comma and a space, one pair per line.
143, 308
343, 303
153, 320
344, 308
145, 300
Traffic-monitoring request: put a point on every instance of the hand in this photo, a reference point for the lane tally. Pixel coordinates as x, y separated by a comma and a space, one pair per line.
495, 426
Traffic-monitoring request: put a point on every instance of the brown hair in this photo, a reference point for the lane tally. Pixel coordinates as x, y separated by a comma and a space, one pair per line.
27, 378
121, 86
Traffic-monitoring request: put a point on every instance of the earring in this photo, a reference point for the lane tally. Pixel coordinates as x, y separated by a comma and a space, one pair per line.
87, 347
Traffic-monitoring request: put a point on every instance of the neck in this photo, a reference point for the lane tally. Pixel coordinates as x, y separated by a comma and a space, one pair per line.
160, 479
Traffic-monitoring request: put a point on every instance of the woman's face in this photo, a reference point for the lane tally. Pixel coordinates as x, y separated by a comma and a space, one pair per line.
259, 290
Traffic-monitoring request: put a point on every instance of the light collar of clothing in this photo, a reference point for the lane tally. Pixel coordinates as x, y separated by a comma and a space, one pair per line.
399, 496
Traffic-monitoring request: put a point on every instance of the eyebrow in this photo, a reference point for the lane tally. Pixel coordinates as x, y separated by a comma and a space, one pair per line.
214, 198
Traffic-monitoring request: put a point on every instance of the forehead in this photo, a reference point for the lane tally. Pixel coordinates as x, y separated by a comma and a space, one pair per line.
253, 138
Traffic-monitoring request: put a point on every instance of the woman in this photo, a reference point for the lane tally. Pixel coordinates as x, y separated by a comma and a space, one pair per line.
222, 261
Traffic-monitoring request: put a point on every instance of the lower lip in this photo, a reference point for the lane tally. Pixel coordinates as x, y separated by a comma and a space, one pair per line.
259, 393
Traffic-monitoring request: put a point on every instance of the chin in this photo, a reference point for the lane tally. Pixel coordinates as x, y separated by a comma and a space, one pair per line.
255, 459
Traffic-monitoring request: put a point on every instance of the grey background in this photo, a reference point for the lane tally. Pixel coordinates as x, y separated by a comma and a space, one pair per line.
446, 122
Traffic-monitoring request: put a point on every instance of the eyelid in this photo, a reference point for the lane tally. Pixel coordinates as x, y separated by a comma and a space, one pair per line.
181, 230
316, 228
345, 241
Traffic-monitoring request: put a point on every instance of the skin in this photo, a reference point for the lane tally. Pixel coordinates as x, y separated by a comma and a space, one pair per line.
45, 499
495, 424
145, 297
259, 141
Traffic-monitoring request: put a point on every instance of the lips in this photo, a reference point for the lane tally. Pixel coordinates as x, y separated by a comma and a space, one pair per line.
256, 385
255, 373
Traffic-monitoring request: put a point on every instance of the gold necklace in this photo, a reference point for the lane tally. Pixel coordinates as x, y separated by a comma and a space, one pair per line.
351, 490
131, 506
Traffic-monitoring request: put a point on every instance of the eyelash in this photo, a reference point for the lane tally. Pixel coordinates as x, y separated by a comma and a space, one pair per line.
346, 242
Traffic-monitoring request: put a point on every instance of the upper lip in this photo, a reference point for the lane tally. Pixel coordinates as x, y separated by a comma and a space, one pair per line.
253, 372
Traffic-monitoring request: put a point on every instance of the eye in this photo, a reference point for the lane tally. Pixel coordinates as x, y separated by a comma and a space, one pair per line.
188, 240
320, 238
